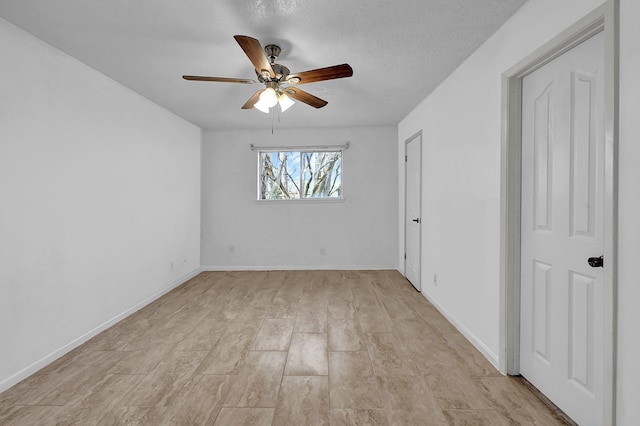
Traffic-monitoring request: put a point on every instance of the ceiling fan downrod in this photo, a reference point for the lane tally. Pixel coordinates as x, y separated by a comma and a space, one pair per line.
272, 51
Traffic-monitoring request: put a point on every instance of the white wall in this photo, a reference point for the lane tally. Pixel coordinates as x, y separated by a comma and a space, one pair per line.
460, 121
357, 233
461, 182
628, 377
99, 194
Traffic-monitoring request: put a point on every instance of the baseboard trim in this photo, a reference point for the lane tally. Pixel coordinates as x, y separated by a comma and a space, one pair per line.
472, 338
217, 268
48, 359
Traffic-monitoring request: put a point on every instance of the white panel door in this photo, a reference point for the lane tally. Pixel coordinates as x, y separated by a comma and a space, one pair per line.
413, 176
562, 226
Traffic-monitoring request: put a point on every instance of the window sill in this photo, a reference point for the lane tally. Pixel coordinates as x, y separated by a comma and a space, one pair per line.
304, 201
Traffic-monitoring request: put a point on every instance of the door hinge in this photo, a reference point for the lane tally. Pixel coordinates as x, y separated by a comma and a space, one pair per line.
406, 158
405, 256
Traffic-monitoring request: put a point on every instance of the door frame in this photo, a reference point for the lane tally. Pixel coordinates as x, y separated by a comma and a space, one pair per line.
603, 19
406, 143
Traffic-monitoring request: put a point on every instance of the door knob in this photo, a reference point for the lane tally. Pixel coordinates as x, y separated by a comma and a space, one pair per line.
416, 220
596, 262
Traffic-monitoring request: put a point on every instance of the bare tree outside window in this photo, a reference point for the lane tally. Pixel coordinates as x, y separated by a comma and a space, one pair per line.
294, 175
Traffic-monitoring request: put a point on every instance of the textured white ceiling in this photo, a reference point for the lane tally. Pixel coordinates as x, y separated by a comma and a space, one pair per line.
399, 50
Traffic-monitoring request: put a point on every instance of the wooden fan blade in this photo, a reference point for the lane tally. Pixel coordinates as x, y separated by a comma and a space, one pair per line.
219, 79
254, 52
305, 97
328, 73
252, 100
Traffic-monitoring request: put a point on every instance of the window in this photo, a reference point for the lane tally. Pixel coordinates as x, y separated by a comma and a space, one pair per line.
296, 175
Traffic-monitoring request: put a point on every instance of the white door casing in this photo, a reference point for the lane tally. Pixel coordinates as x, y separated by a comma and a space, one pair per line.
561, 311
413, 215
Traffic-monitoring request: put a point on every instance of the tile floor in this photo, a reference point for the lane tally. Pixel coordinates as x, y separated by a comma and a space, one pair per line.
277, 348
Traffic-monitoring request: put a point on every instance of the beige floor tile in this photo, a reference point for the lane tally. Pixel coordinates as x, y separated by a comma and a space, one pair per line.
103, 397
351, 417
475, 418
282, 308
141, 361
350, 364
374, 320
154, 337
70, 384
353, 348
335, 278
30, 415
250, 313
407, 392
516, 402
220, 309
351, 381
415, 417
258, 382
198, 402
433, 317
453, 389
364, 296
398, 309
245, 417
185, 320
414, 328
274, 335
307, 355
109, 339
471, 359
316, 301
311, 321
290, 291
133, 416
228, 354
409, 400
431, 353
303, 400
165, 380
388, 356
355, 392
345, 335
204, 342
341, 307
205, 335
19, 394
124, 334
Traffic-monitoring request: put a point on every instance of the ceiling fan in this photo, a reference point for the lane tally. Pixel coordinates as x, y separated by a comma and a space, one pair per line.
280, 85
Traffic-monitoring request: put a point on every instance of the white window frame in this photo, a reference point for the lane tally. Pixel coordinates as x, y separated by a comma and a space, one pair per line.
301, 149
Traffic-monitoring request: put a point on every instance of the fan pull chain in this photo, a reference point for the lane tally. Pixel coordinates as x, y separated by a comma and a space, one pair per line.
273, 118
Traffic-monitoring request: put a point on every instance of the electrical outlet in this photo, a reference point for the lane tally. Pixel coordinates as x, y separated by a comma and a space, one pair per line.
323, 251
435, 279
230, 248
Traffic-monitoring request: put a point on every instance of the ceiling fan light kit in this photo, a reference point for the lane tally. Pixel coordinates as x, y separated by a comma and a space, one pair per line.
285, 102
261, 107
269, 97
277, 79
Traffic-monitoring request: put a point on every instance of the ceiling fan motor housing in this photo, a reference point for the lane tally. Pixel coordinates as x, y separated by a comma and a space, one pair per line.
273, 51
280, 71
